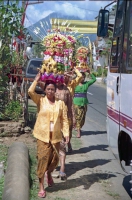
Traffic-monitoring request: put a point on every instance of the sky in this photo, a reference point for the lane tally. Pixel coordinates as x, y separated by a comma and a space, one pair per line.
86, 10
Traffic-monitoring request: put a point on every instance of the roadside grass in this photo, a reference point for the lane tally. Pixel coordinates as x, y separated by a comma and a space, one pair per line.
3, 159
1, 186
113, 194
105, 183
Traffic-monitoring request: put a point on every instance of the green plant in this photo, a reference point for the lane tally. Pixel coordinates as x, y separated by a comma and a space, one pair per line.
1, 186
105, 71
95, 73
100, 71
10, 26
17, 58
3, 158
37, 49
13, 110
114, 195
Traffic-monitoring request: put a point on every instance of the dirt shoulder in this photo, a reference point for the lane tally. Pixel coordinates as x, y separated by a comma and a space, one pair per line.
83, 182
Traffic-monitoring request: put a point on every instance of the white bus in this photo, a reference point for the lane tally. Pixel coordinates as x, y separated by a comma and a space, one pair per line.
119, 82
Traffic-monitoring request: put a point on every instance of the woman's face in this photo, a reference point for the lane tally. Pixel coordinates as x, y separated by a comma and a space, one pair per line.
50, 91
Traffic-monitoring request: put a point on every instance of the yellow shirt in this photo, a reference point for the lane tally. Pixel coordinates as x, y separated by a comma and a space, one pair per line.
42, 126
71, 85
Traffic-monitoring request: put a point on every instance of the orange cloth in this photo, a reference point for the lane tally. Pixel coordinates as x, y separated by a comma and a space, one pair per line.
47, 157
71, 85
42, 126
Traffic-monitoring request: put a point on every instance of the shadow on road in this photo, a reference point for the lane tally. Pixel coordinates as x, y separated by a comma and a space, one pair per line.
92, 132
86, 180
73, 167
127, 185
91, 148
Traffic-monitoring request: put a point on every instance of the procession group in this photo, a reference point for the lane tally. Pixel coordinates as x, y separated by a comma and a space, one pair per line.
64, 105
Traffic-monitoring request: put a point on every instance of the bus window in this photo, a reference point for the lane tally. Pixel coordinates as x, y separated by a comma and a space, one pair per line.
127, 44
130, 40
119, 18
114, 53
115, 56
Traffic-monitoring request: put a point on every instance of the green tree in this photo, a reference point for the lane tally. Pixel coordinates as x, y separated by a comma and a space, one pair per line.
37, 49
10, 26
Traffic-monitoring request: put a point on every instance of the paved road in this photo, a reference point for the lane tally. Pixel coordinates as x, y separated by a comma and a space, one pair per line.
95, 142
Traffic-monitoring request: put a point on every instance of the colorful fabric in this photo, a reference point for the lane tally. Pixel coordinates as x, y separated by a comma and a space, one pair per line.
81, 101
42, 126
47, 157
80, 113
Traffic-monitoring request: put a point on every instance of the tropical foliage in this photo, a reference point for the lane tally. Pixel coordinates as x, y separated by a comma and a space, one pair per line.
10, 26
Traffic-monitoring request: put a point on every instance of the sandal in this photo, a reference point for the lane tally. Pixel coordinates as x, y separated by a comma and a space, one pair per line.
42, 194
62, 176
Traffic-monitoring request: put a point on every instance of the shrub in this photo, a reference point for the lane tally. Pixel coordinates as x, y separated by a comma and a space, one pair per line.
95, 73
105, 72
13, 110
100, 71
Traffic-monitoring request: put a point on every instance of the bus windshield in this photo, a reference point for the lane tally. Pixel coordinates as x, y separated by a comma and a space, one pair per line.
119, 18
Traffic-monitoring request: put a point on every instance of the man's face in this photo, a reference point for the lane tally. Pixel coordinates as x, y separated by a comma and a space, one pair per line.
66, 79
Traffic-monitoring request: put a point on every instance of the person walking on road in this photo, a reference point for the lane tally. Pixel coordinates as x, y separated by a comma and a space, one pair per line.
62, 93
71, 83
51, 119
80, 101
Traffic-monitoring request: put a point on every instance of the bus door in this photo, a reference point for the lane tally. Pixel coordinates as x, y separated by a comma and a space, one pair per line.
126, 75
114, 80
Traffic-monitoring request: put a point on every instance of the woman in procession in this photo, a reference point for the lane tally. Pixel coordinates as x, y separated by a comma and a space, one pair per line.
62, 93
80, 101
51, 120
